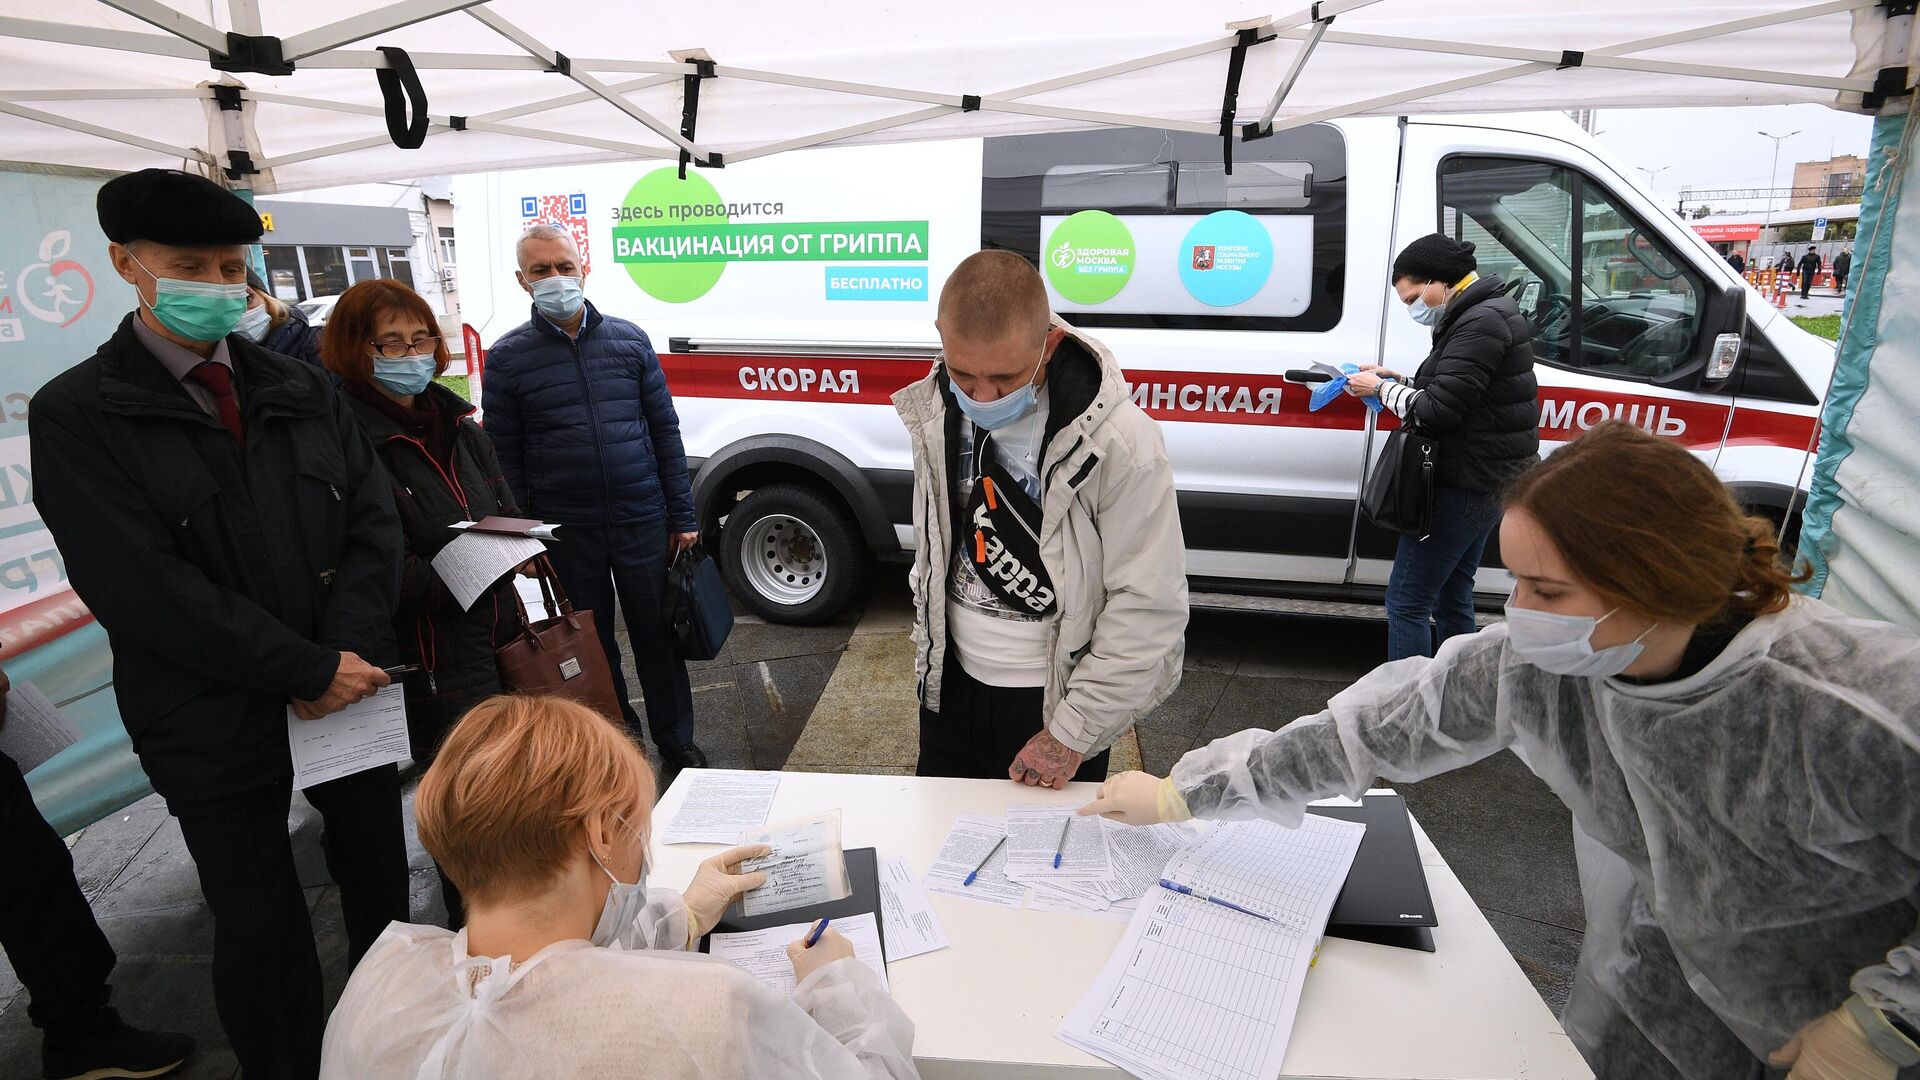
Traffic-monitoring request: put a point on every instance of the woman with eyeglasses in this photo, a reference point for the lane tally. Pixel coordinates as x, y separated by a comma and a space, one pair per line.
382, 342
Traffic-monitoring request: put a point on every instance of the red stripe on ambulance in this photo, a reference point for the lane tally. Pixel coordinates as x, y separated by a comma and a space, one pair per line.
1211, 397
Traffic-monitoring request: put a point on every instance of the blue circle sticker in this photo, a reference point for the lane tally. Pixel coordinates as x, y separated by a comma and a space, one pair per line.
1226, 258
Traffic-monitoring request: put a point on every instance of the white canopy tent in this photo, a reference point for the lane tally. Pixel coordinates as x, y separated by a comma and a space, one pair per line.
123, 84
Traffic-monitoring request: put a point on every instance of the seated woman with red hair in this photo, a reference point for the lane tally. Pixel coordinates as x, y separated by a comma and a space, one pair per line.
569, 965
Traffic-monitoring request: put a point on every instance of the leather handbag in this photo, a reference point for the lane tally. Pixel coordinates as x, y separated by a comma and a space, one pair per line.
1399, 493
697, 607
559, 654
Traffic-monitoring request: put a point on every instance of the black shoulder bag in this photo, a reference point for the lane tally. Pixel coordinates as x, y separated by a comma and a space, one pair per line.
1399, 494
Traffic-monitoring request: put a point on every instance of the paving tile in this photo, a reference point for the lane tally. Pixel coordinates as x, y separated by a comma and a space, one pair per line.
1545, 952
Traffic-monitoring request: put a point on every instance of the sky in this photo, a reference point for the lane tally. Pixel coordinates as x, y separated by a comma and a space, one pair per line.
1720, 148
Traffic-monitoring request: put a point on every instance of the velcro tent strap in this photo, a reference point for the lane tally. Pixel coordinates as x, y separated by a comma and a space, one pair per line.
396, 78
690, 106
1230, 102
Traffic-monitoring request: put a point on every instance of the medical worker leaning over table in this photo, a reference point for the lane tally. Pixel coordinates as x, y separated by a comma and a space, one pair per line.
1743, 768
569, 965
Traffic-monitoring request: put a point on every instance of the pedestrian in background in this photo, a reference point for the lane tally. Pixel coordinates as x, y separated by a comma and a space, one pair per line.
1842, 266
1809, 269
225, 520
578, 408
1475, 394
277, 326
382, 343
1738, 262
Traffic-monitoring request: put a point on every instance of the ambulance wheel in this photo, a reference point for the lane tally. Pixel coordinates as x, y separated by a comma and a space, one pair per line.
794, 554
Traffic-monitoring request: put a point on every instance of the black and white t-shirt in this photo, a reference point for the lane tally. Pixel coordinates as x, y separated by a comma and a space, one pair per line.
996, 644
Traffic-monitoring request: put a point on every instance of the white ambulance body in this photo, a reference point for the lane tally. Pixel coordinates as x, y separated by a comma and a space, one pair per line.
789, 298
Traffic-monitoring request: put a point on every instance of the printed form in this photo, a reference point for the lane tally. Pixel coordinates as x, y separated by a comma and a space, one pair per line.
805, 867
764, 952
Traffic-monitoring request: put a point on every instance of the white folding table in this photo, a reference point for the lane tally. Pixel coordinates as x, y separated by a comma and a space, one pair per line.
989, 1005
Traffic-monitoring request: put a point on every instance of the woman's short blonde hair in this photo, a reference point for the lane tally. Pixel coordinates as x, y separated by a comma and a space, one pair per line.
505, 805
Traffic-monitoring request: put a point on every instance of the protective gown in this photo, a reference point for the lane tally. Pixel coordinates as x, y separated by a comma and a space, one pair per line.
1748, 837
419, 1007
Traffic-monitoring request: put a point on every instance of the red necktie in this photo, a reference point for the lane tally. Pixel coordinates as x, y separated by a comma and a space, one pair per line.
218, 381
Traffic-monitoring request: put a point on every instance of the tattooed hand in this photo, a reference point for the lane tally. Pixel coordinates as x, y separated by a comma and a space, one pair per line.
1044, 762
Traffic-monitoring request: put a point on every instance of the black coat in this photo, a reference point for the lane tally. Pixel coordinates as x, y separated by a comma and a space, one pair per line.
454, 646
1481, 400
1810, 263
1842, 263
295, 337
227, 583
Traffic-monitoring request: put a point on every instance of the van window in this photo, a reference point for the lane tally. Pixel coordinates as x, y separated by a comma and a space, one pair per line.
1140, 227
1602, 292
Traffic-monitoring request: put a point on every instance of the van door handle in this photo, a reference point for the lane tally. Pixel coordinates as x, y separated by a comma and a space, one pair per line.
1307, 376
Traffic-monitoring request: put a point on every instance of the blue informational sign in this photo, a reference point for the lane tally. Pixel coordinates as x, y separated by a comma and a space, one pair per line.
1226, 258
59, 300
876, 283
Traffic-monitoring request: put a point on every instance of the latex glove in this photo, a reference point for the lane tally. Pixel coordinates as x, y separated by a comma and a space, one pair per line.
1833, 1048
716, 884
1137, 798
829, 948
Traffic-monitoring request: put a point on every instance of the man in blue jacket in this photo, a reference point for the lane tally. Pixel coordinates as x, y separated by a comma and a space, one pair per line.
578, 409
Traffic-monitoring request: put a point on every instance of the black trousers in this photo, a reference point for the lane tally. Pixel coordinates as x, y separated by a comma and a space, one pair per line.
980, 729
46, 927
1806, 285
631, 560
266, 971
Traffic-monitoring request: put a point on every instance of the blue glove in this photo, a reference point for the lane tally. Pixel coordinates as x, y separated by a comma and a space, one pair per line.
1333, 388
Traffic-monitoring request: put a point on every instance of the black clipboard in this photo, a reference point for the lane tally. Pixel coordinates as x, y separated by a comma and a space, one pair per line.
1385, 900
863, 874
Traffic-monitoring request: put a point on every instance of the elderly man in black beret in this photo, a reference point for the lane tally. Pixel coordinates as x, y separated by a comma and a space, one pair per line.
226, 521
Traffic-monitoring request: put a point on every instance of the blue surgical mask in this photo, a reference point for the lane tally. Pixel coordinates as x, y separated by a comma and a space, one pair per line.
622, 909
253, 325
559, 298
1563, 644
1419, 312
406, 376
1004, 410
196, 310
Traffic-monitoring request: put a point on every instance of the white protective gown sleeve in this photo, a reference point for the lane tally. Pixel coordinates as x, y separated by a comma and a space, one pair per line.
1748, 836
420, 1008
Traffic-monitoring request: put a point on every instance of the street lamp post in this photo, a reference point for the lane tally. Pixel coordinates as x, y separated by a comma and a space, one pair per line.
1773, 177
1651, 173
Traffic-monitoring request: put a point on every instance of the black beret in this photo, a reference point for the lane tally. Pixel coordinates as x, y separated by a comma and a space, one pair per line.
167, 206
1435, 257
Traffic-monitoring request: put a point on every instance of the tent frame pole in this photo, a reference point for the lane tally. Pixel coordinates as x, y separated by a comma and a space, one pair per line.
173, 21
368, 24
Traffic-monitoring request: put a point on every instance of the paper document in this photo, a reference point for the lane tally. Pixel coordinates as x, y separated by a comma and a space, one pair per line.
474, 561
1140, 855
764, 952
35, 729
720, 805
969, 842
1034, 836
1197, 988
806, 865
912, 928
363, 735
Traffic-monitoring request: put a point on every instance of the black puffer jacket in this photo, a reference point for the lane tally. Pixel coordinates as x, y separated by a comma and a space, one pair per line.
454, 647
1482, 402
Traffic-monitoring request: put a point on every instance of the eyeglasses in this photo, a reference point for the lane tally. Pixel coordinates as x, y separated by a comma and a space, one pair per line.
394, 350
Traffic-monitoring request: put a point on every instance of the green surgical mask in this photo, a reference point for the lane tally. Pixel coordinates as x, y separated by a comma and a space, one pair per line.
196, 310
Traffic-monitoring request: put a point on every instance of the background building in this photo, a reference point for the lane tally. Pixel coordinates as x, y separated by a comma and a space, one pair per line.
1826, 183
322, 241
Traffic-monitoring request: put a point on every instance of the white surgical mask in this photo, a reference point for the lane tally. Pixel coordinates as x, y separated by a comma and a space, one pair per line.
1421, 313
1563, 644
623, 906
559, 298
253, 325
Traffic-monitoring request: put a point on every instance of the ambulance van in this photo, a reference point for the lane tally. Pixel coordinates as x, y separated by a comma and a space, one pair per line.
789, 297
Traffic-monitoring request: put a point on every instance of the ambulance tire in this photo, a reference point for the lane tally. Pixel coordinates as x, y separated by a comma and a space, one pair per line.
771, 517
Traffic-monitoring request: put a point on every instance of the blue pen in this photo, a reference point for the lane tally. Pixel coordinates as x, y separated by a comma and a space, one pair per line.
1062, 845
1184, 891
817, 931
975, 872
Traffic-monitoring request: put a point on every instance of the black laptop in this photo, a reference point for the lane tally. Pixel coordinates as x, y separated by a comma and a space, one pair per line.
1385, 900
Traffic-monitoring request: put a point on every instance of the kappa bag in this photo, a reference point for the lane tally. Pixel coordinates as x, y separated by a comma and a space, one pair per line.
1399, 494
559, 654
697, 608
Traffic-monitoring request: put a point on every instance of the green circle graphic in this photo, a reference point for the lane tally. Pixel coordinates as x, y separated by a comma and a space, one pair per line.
1089, 257
675, 283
